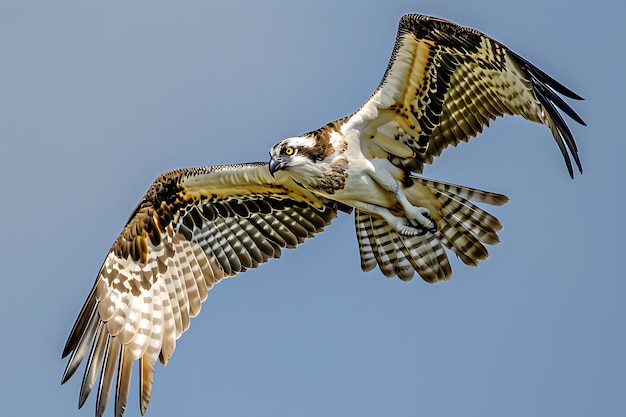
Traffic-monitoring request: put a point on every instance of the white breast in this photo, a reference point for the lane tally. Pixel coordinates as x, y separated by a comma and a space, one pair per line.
360, 184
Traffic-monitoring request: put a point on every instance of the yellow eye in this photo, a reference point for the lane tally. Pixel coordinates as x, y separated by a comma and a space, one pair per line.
289, 151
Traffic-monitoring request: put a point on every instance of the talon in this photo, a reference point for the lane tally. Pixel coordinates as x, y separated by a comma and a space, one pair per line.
409, 230
414, 229
424, 224
420, 217
421, 231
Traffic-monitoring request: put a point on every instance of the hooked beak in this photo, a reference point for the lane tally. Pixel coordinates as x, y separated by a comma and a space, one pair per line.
276, 164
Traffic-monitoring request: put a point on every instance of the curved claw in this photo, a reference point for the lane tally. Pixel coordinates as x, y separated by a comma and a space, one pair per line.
419, 225
420, 231
416, 229
408, 230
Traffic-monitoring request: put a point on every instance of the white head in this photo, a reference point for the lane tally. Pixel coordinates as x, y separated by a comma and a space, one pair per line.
300, 156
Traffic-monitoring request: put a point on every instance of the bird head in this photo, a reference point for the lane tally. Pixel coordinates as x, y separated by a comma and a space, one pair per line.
294, 155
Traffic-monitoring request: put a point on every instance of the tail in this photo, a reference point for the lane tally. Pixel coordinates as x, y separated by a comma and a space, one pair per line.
462, 227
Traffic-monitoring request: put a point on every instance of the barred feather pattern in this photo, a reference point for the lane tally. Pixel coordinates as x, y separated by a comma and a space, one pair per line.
462, 227
397, 255
443, 85
132, 316
183, 238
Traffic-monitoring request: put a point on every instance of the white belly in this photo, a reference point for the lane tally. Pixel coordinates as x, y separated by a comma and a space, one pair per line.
361, 186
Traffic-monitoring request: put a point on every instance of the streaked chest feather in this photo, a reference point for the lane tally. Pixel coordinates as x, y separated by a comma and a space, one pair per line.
353, 181
334, 177
361, 186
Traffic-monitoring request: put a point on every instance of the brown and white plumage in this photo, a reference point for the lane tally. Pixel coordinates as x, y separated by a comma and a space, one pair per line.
194, 227
443, 85
462, 226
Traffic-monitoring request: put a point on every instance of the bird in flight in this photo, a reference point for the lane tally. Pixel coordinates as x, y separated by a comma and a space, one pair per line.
444, 83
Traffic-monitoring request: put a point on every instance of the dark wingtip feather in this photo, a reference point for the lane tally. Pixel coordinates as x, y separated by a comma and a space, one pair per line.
559, 102
83, 340
81, 323
562, 135
546, 89
545, 78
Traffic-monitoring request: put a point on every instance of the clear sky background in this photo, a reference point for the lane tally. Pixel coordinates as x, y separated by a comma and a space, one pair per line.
98, 98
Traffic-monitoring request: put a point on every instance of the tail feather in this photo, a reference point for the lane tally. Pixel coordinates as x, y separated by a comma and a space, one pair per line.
462, 227
366, 249
467, 193
398, 255
463, 244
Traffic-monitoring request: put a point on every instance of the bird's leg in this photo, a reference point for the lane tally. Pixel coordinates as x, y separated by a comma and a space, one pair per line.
398, 223
418, 217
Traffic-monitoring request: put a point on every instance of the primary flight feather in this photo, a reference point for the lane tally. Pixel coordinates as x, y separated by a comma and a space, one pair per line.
194, 227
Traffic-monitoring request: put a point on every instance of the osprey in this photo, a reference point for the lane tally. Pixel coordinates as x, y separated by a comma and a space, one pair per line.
194, 227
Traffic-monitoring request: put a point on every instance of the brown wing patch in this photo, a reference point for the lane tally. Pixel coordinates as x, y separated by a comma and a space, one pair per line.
193, 228
444, 83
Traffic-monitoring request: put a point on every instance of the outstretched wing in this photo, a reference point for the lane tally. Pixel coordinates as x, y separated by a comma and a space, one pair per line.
443, 84
193, 228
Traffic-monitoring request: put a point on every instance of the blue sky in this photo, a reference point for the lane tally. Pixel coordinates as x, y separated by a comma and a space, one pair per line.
97, 100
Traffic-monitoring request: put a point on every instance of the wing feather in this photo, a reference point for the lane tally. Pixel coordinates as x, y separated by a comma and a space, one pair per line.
122, 387
444, 83
171, 328
93, 364
396, 255
193, 228
83, 336
106, 377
